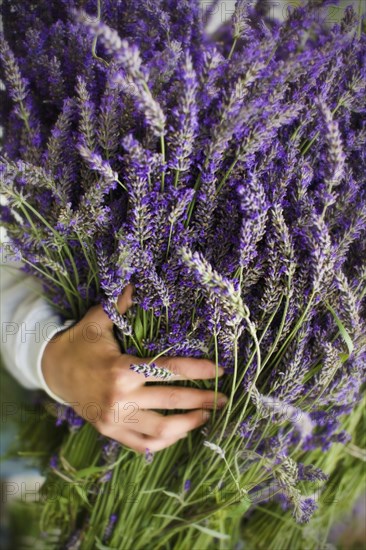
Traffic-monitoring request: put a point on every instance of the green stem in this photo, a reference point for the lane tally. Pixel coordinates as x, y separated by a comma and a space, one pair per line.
197, 186
282, 324
169, 240
60, 276
227, 175
86, 255
58, 283
232, 48
162, 144
152, 325
238, 404
121, 184
233, 387
176, 178
95, 39
167, 319
137, 345
158, 326
294, 331
259, 366
307, 147
216, 376
359, 31
55, 233
192, 205
24, 116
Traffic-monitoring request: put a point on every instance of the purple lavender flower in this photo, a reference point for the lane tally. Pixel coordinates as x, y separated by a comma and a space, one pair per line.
74, 541
306, 509
54, 461
311, 473
118, 319
96, 163
149, 456
68, 415
223, 176
17, 85
181, 140
109, 529
152, 370
187, 485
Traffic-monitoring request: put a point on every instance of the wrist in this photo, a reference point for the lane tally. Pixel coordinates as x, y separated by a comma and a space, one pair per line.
53, 367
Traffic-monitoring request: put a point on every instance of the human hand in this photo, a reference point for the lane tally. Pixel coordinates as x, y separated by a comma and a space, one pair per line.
85, 367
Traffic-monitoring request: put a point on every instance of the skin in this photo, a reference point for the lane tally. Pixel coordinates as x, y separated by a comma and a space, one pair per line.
85, 367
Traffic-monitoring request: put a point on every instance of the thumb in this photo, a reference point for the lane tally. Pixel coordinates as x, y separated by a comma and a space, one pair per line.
124, 302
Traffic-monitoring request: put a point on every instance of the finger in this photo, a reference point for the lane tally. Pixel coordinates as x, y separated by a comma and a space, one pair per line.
124, 301
159, 426
141, 443
100, 317
189, 368
174, 397
154, 444
182, 368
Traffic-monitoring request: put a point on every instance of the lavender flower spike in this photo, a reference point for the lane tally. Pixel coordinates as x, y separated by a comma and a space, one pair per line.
18, 86
128, 62
336, 154
95, 162
152, 369
182, 138
216, 283
215, 448
223, 176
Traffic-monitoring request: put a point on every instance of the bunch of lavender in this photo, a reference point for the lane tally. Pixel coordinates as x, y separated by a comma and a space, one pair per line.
345, 487
224, 177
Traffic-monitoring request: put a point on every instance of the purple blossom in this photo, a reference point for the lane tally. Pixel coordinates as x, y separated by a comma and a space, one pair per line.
109, 529
151, 370
306, 509
181, 140
149, 456
222, 176
54, 461
187, 485
69, 416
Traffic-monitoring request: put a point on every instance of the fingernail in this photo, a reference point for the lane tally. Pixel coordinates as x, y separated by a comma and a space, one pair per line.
221, 371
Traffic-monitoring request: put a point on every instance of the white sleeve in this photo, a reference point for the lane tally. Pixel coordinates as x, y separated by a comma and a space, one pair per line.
28, 322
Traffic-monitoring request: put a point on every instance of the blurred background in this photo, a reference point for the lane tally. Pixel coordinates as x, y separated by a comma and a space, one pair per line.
223, 10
